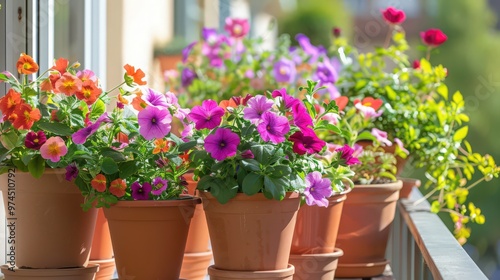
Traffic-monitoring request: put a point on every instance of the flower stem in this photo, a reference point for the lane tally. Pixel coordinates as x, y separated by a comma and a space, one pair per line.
476, 183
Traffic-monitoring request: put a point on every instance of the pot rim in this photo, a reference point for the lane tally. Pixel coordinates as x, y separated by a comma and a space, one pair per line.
245, 197
391, 186
186, 200
337, 253
91, 268
290, 270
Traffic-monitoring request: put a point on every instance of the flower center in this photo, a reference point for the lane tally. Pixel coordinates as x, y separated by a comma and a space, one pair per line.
283, 70
237, 29
222, 144
36, 140
153, 120
140, 190
312, 189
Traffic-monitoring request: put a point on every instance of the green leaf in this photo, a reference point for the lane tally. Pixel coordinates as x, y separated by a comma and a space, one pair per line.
113, 154
36, 166
109, 166
435, 207
56, 128
296, 182
262, 152
391, 94
276, 186
443, 91
97, 109
365, 135
9, 140
252, 183
187, 146
280, 171
127, 168
80, 183
460, 134
251, 165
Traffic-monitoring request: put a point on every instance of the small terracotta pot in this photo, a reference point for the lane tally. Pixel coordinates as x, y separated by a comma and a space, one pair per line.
106, 269
279, 274
198, 238
317, 227
194, 265
149, 237
315, 266
101, 243
80, 273
251, 233
47, 222
408, 185
364, 228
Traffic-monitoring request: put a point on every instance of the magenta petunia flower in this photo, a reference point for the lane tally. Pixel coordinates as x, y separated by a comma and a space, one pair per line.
301, 117
318, 189
187, 50
256, 107
81, 135
273, 127
159, 186
433, 37
393, 15
140, 192
288, 100
284, 71
222, 144
237, 27
155, 98
34, 140
71, 171
208, 115
381, 136
154, 122
247, 154
346, 154
306, 141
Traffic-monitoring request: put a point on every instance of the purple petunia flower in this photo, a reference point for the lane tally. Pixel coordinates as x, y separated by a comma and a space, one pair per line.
209, 35
187, 77
273, 127
71, 171
34, 140
208, 115
141, 192
381, 136
81, 135
154, 122
222, 144
256, 107
284, 71
326, 73
301, 117
318, 189
159, 186
187, 50
288, 100
155, 98
346, 154
313, 51
306, 141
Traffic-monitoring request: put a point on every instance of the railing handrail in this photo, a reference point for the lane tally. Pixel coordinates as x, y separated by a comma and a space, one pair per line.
442, 254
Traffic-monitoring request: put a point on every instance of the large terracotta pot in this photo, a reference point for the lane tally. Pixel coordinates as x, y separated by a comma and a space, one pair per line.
79, 273
149, 237
317, 227
46, 221
251, 233
364, 229
408, 185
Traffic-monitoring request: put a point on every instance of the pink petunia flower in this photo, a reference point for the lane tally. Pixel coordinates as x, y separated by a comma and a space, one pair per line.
159, 186
346, 154
401, 145
273, 127
154, 122
318, 189
237, 27
256, 107
381, 136
53, 149
208, 115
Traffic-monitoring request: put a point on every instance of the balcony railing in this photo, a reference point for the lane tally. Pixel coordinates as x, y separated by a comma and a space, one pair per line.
421, 247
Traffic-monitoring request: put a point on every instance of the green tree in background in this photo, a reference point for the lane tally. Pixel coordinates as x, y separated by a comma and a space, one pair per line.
472, 57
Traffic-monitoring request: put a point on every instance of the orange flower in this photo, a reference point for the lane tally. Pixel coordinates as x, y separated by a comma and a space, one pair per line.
227, 103
118, 187
185, 157
122, 99
122, 137
68, 84
89, 92
136, 75
138, 103
341, 102
370, 102
161, 146
49, 84
61, 65
26, 65
9, 102
99, 183
26, 116
53, 115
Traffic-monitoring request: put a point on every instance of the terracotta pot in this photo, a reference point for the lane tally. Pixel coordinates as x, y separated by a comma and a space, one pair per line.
364, 228
279, 274
194, 265
315, 266
168, 62
198, 238
149, 237
80, 273
400, 162
101, 243
317, 227
46, 220
408, 185
106, 269
251, 233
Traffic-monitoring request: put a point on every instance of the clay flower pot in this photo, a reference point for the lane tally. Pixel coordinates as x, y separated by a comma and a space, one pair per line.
149, 236
317, 227
408, 185
45, 219
315, 266
279, 274
79, 273
251, 233
364, 229
101, 252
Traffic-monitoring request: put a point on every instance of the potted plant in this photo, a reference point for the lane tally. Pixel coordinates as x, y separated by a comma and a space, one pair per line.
421, 113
